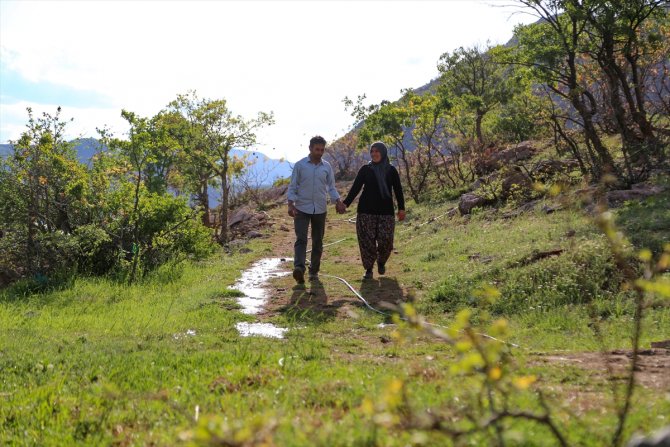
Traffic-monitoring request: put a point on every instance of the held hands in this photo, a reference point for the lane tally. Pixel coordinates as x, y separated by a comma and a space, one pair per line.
340, 207
401, 215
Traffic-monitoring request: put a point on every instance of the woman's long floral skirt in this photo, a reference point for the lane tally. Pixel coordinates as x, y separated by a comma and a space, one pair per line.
375, 238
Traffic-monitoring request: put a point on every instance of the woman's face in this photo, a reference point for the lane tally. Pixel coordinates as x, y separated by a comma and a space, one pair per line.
375, 155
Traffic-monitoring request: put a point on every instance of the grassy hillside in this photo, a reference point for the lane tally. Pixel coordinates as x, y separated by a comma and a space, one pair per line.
161, 363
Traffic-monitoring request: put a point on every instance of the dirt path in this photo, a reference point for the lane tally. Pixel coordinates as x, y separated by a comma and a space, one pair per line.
330, 299
653, 370
327, 297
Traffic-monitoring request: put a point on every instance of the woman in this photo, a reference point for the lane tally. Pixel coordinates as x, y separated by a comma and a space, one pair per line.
375, 222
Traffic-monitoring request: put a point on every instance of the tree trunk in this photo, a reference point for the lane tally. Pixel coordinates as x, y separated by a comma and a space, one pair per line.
605, 160
406, 170
632, 142
136, 228
30, 242
571, 144
223, 236
203, 200
478, 128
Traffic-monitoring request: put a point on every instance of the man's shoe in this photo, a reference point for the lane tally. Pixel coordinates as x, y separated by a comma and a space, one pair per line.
299, 276
381, 268
313, 276
368, 274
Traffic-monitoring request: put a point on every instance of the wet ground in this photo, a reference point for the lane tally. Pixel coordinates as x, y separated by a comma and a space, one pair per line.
254, 285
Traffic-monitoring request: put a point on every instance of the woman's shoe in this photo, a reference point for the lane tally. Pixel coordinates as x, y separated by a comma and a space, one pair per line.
368, 274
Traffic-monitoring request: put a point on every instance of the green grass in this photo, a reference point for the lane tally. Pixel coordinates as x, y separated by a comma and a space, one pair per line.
99, 363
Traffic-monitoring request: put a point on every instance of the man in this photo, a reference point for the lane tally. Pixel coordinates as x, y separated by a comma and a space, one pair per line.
312, 181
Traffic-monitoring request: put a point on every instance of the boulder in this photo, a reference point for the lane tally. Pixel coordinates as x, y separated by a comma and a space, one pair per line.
520, 152
239, 216
637, 192
665, 344
661, 438
546, 169
493, 159
468, 201
245, 223
510, 178
236, 243
484, 180
517, 178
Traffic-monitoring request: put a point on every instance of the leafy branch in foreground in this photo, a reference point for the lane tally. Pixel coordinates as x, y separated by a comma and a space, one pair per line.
492, 385
650, 283
494, 393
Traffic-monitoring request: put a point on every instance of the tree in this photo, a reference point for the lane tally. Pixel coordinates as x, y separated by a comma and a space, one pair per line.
197, 172
168, 160
139, 151
553, 48
579, 43
618, 43
214, 132
474, 78
345, 155
389, 121
426, 114
43, 195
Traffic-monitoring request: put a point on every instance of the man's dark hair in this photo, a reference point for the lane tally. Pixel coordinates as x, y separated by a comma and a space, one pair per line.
317, 140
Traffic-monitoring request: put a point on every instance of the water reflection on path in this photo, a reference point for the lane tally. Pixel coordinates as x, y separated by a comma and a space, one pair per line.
263, 329
253, 284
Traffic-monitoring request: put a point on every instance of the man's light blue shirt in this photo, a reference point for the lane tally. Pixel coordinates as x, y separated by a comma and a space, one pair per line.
311, 185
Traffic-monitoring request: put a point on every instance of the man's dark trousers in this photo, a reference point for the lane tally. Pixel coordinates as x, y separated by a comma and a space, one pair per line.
301, 222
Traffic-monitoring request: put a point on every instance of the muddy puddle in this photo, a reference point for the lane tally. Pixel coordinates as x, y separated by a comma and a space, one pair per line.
253, 284
262, 329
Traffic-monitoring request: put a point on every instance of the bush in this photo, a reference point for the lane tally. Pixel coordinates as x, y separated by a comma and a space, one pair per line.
439, 195
578, 277
583, 275
170, 230
167, 230
95, 250
281, 182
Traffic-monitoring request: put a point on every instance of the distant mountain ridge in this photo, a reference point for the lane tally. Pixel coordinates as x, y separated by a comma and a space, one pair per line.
262, 173
265, 169
85, 147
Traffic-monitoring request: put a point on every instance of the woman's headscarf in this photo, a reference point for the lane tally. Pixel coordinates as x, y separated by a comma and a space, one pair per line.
380, 169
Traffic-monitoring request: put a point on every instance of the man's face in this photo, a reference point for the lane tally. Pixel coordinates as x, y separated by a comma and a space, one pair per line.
316, 151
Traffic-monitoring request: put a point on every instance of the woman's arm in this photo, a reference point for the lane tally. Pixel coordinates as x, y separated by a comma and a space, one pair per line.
356, 187
397, 189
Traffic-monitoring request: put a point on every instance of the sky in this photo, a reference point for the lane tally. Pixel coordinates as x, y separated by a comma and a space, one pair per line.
297, 59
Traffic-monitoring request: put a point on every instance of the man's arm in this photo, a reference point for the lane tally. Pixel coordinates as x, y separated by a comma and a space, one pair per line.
332, 190
334, 195
292, 191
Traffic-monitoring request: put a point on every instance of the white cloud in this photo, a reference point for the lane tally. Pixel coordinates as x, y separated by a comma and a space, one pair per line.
298, 59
